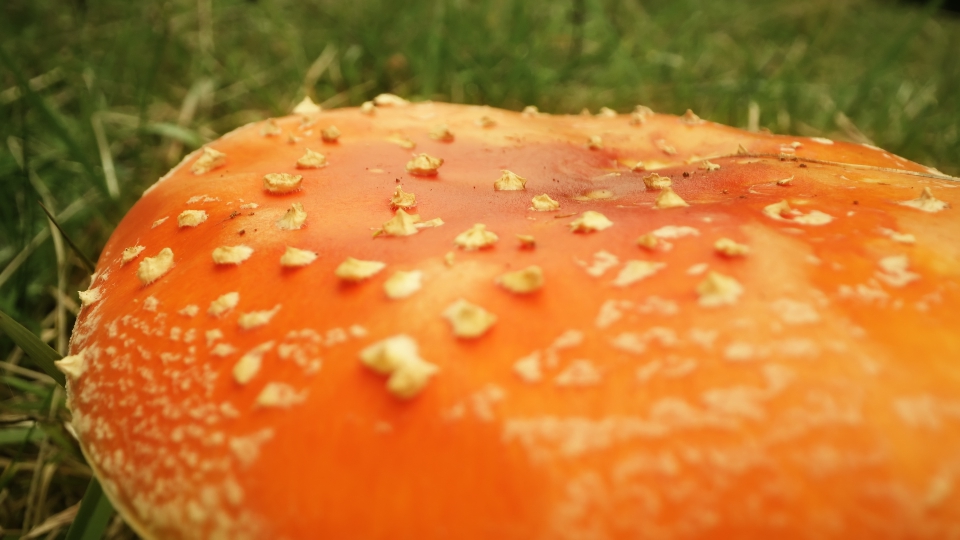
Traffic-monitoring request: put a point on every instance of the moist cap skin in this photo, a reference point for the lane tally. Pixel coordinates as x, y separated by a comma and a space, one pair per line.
613, 327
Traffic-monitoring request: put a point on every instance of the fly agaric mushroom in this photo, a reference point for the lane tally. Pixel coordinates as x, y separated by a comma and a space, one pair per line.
774, 359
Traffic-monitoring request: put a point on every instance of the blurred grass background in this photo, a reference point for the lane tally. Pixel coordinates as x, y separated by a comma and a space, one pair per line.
99, 98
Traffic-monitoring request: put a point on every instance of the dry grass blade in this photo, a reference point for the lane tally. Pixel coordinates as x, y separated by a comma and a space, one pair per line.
344, 97
318, 67
68, 302
95, 509
56, 521
37, 84
39, 479
106, 158
201, 91
43, 475
23, 372
69, 467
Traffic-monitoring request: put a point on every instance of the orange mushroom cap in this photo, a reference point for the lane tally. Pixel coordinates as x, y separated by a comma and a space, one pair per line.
535, 326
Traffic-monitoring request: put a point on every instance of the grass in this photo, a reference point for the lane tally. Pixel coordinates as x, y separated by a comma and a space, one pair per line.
98, 99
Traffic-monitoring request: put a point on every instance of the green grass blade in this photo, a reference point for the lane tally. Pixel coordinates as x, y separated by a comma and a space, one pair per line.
895, 49
433, 67
24, 386
95, 509
66, 443
94, 514
55, 122
20, 435
175, 132
38, 351
87, 263
11, 469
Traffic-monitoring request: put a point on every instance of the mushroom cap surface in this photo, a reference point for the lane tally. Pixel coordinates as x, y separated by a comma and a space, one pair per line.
778, 357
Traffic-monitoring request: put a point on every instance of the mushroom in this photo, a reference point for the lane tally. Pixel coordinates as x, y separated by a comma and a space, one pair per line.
774, 359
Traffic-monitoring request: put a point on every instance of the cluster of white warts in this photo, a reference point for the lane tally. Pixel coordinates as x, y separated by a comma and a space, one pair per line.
467, 320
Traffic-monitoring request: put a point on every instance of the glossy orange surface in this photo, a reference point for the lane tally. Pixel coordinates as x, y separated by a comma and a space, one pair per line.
823, 402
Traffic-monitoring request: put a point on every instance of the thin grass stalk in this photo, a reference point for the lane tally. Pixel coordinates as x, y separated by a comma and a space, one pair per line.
53, 524
316, 70
95, 509
54, 119
57, 236
43, 234
106, 158
87, 263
